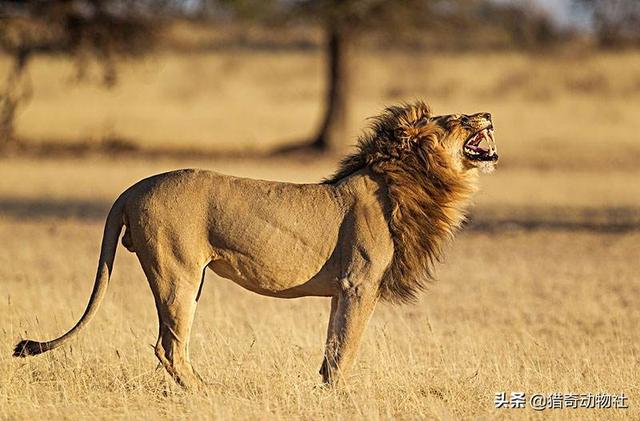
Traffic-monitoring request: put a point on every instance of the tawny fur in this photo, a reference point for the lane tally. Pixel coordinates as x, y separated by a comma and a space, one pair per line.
371, 231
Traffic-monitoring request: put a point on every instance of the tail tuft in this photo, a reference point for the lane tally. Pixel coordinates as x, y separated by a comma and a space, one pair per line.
27, 347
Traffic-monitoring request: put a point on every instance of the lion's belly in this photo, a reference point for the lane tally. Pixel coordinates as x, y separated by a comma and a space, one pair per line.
272, 260
278, 239
275, 284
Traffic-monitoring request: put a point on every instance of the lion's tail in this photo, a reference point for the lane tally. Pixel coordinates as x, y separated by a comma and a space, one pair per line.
112, 229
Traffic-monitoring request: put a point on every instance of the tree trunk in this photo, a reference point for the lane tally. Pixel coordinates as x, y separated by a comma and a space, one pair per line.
334, 131
17, 92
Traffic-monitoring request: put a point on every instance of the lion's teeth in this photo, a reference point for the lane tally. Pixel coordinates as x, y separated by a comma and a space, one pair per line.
494, 146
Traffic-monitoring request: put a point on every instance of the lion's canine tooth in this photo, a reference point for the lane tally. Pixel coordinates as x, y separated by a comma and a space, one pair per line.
493, 142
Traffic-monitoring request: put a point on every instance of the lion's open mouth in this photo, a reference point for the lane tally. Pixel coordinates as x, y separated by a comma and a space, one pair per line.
481, 146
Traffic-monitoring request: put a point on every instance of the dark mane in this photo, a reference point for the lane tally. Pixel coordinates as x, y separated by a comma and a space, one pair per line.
427, 193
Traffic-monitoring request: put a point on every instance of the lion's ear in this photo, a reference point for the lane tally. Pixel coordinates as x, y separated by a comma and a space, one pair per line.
429, 137
408, 136
423, 121
423, 109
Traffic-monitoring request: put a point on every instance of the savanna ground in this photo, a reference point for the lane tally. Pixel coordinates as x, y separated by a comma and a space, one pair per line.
540, 293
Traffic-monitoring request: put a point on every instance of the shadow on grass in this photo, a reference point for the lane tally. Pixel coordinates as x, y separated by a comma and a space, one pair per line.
301, 150
576, 218
484, 219
30, 209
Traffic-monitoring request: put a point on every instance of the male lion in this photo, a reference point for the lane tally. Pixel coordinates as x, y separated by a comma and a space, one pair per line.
370, 231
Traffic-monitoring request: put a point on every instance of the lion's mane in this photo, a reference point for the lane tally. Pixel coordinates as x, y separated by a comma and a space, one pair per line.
427, 193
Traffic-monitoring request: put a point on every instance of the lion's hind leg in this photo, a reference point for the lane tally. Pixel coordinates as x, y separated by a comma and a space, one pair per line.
175, 289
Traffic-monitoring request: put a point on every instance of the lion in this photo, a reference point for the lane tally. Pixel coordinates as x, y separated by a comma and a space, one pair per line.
370, 232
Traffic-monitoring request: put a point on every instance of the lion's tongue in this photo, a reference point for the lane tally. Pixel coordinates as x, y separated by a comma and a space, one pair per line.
475, 145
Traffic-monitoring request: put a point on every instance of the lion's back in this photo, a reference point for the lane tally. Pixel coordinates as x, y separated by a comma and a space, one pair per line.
287, 230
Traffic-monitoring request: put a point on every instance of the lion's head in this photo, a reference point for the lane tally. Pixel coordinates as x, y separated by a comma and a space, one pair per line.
468, 139
430, 164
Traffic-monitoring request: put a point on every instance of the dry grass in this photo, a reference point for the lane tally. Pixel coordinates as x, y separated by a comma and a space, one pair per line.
539, 311
540, 294
547, 107
512, 311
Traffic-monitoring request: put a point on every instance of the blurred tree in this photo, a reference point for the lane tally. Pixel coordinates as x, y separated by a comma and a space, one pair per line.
87, 29
344, 22
340, 20
615, 22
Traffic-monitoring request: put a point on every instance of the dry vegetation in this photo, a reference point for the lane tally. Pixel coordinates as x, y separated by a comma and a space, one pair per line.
540, 294
232, 100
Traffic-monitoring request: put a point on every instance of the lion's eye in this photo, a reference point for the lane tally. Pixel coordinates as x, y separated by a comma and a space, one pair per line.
464, 120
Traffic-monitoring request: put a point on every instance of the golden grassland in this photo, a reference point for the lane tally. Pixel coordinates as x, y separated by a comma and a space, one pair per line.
549, 106
553, 309
539, 294
513, 311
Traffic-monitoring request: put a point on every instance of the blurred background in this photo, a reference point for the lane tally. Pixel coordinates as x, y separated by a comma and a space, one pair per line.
247, 83
97, 94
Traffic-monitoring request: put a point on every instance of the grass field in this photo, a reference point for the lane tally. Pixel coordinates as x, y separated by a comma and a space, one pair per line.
549, 107
540, 293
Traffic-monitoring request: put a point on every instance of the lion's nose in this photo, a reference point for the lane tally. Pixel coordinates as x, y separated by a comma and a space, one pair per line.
486, 116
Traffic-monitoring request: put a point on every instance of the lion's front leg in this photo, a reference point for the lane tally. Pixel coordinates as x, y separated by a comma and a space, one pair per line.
330, 337
351, 310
